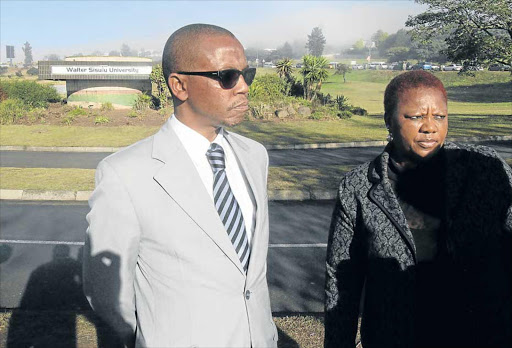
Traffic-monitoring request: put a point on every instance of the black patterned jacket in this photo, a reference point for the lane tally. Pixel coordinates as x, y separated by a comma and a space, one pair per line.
370, 244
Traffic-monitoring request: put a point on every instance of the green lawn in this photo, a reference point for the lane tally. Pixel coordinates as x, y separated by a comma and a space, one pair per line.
60, 179
487, 93
46, 135
358, 128
122, 99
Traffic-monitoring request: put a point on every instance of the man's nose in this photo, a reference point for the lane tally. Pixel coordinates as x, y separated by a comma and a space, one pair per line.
241, 86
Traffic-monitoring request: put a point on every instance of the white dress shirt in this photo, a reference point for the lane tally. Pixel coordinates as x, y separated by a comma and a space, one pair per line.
197, 146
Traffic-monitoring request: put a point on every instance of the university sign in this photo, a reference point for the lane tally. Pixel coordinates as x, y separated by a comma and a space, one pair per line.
100, 70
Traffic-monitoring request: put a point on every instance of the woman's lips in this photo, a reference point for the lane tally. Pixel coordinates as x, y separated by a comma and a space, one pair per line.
427, 144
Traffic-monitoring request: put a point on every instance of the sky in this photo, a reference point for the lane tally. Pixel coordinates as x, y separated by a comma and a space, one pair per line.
69, 27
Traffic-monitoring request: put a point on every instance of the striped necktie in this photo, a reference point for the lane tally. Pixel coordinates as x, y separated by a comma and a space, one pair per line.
227, 206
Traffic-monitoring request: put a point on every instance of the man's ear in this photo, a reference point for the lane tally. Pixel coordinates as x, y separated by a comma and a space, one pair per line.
178, 86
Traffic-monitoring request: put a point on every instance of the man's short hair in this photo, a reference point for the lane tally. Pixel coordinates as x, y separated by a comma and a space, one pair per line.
179, 49
406, 81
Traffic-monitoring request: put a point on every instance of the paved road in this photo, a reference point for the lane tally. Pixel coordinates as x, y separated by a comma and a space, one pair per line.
312, 157
40, 244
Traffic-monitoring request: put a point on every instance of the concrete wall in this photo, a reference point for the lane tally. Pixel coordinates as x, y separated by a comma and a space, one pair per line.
73, 86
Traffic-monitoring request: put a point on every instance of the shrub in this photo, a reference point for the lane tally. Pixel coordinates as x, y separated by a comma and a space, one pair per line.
342, 103
344, 114
33, 71
36, 114
3, 94
107, 106
101, 120
68, 119
76, 111
356, 110
268, 88
317, 115
132, 114
19, 74
143, 102
31, 93
11, 110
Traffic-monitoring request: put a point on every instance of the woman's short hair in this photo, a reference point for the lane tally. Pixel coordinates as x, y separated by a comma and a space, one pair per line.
407, 81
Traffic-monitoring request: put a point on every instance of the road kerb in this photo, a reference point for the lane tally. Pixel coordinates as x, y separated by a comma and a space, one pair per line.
41, 195
275, 147
11, 194
82, 196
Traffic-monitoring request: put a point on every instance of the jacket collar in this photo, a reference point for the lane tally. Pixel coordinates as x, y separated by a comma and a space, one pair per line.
381, 193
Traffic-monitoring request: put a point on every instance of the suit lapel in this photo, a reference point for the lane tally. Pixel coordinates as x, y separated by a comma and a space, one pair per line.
251, 172
178, 177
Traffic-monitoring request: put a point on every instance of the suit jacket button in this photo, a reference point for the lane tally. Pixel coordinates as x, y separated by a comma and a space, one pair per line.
247, 295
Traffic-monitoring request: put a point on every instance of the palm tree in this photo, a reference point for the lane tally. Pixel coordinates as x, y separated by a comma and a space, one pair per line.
314, 72
284, 68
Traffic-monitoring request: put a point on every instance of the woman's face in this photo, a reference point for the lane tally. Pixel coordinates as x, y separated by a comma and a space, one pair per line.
419, 125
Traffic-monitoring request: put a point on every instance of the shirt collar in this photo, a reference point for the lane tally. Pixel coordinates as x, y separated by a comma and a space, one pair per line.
195, 143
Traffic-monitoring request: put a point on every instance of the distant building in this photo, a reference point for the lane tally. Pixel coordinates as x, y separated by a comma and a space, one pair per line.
93, 72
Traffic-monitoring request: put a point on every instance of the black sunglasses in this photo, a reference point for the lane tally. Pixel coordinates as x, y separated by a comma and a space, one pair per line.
228, 78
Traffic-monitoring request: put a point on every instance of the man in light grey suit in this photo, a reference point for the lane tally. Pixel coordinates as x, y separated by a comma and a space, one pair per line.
178, 229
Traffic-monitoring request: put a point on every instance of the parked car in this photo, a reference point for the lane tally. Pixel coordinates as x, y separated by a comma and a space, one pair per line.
426, 66
435, 67
357, 67
400, 66
392, 66
499, 67
452, 67
422, 66
378, 66
298, 65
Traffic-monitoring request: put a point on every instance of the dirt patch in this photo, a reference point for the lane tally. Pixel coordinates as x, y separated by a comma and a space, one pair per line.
59, 114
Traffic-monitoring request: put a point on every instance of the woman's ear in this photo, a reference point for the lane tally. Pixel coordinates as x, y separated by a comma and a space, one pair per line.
178, 86
387, 120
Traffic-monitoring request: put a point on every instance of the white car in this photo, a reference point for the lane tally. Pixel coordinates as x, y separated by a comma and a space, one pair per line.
452, 67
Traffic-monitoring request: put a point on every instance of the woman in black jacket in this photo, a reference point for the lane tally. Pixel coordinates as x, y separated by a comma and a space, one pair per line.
426, 230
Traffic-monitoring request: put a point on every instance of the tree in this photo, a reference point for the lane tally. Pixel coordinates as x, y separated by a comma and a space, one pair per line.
314, 72
379, 38
284, 68
358, 48
398, 53
27, 49
316, 42
127, 52
432, 50
342, 69
285, 51
157, 78
52, 56
144, 53
114, 53
476, 31
398, 46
